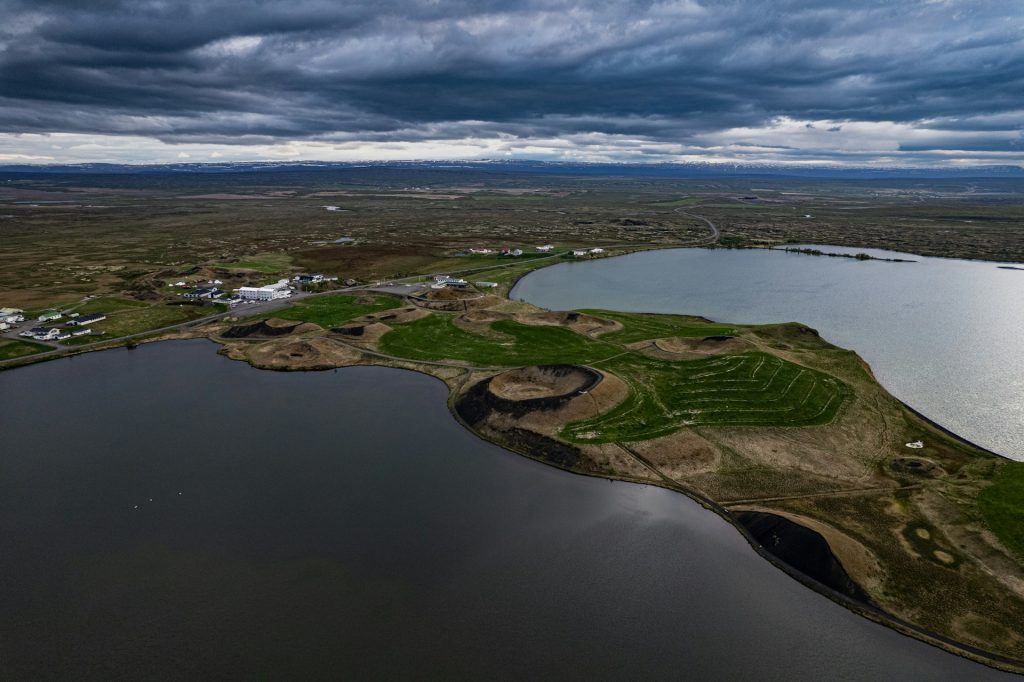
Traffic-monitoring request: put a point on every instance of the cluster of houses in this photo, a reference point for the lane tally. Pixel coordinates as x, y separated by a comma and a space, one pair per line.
268, 292
583, 253
507, 251
208, 293
75, 325
315, 278
79, 323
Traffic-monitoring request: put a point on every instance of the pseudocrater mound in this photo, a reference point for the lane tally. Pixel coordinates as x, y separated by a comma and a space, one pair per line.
544, 381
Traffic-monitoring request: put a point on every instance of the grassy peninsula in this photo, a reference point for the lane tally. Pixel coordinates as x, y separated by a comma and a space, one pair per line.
749, 419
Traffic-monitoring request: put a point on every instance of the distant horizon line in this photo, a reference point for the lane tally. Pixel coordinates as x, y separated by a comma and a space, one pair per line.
666, 168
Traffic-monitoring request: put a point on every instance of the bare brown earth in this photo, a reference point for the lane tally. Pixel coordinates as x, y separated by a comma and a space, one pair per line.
297, 354
698, 347
368, 333
581, 323
537, 382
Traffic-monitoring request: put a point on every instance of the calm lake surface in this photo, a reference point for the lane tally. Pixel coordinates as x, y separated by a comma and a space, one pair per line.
168, 513
944, 336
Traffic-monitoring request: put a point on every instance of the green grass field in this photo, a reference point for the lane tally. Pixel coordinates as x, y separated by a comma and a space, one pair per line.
508, 344
641, 327
136, 320
109, 305
334, 309
10, 349
1002, 505
750, 389
269, 263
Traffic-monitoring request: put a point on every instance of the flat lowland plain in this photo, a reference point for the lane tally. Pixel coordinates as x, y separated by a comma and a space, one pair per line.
134, 233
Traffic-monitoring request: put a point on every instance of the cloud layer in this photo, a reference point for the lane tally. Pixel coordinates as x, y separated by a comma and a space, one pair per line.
917, 81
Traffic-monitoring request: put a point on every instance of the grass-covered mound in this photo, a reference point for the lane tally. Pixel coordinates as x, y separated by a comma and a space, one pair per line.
750, 389
643, 327
504, 343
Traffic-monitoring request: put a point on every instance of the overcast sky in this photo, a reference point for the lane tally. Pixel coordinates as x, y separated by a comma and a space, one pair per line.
855, 82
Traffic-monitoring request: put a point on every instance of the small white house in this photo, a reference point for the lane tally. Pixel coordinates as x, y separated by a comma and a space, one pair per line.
579, 253
46, 334
545, 248
49, 315
597, 250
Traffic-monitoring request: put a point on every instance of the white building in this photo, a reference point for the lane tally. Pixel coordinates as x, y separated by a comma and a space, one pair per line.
579, 253
85, 320
597, 250
46, 334
268, 292
445, 281
49, 315
545, 248
12, 315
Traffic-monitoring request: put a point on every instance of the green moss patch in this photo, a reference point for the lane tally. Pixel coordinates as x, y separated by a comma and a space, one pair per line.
1002, 505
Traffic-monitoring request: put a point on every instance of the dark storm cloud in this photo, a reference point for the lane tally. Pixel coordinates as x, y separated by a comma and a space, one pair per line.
255, 72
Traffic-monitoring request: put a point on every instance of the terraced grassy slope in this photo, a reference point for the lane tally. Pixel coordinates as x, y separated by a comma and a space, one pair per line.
749, 389
641, 327
506, 343
334, 309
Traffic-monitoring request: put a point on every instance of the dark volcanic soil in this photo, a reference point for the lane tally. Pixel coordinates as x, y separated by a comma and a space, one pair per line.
801, 548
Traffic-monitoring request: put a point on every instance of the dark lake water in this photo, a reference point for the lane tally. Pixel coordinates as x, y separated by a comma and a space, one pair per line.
945, 336
168, 513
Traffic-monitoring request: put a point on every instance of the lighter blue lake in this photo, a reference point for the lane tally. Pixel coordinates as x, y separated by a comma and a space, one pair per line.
945, 336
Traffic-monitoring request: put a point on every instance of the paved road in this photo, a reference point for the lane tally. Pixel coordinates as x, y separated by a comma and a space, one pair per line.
270, 306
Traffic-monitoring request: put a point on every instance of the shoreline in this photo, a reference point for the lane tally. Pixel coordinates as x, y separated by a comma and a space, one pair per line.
868, 611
